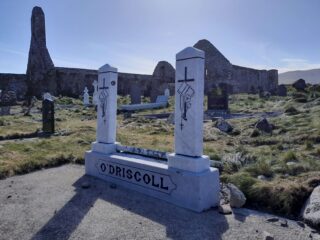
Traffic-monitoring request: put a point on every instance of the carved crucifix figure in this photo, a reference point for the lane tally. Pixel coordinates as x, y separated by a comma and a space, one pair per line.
103, 97
186, 93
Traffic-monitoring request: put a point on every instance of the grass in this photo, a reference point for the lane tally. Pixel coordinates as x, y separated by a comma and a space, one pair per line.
295, 139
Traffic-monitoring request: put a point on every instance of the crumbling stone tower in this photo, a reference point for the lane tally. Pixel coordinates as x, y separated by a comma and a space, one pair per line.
39, 62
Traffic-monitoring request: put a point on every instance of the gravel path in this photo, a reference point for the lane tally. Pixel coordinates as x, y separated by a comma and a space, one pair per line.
57, 204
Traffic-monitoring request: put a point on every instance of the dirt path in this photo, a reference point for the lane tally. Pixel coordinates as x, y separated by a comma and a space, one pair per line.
52, 204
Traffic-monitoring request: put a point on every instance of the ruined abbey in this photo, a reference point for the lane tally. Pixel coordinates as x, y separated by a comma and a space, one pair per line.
42, 76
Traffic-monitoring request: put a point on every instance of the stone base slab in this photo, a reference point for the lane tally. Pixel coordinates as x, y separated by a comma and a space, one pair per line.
194, 191
104, 147
192, 164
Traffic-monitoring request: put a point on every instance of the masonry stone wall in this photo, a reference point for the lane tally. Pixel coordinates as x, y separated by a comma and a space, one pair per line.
14, 82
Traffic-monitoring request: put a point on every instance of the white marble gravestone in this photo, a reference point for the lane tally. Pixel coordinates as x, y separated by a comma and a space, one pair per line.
189, 97
195, 186
107, 109
95, 92
86, 100
167, 92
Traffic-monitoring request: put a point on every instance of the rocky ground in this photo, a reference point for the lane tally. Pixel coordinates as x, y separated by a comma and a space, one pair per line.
62, 203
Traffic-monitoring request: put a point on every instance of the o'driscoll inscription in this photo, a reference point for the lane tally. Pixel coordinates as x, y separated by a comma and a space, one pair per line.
138, 176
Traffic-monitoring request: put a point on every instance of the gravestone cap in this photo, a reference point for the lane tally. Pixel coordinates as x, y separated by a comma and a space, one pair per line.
107, 68
47, 96
189, 52
85, 90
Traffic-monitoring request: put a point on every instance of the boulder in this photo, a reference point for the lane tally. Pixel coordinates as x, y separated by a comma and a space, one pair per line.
223, 125
300, 85
237, 198
311, 210
264, 126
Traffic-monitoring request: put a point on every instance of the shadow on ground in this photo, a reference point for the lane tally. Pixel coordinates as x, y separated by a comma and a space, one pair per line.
179, 223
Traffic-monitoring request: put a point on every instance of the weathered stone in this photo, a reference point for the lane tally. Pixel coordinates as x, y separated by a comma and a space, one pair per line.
272, 219
311, 210
282, 90
223, 125
267, 236
218, 100
300, 85
39, 62
135, 93
85, 185
48, 116
264, 126
237, 198
8, 98
225, 209
262, 178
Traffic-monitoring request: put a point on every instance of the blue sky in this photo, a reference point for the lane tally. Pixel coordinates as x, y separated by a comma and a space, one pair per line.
133, 35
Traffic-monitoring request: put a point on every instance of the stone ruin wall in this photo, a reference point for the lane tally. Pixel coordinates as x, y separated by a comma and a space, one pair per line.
14, 82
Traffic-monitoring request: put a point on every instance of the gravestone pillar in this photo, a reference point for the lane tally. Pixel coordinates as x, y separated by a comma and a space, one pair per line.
106, 110
135, 93
48, 116
189, 97
95, 92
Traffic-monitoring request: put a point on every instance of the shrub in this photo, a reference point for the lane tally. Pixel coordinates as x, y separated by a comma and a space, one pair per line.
289, 157
309, 145
242, 180
261, 167
291, 111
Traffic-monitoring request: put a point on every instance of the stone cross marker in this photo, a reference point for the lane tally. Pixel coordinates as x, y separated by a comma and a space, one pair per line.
107, 104
189, 102
188, 131
95, 92
86, 100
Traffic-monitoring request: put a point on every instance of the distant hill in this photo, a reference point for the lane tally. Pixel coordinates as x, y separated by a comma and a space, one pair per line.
311, 76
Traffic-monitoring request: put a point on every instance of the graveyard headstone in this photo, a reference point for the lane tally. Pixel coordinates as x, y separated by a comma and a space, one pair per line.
218, 100
167, 92
186, 179
282, 90
135, 93
95, 92
48, 116
86, 100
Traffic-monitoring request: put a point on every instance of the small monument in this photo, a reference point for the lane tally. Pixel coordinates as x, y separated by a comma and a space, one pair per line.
167, 92
135, 93
86, 100
186, 179
95, 93
5, 104
48, 115
218, 100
